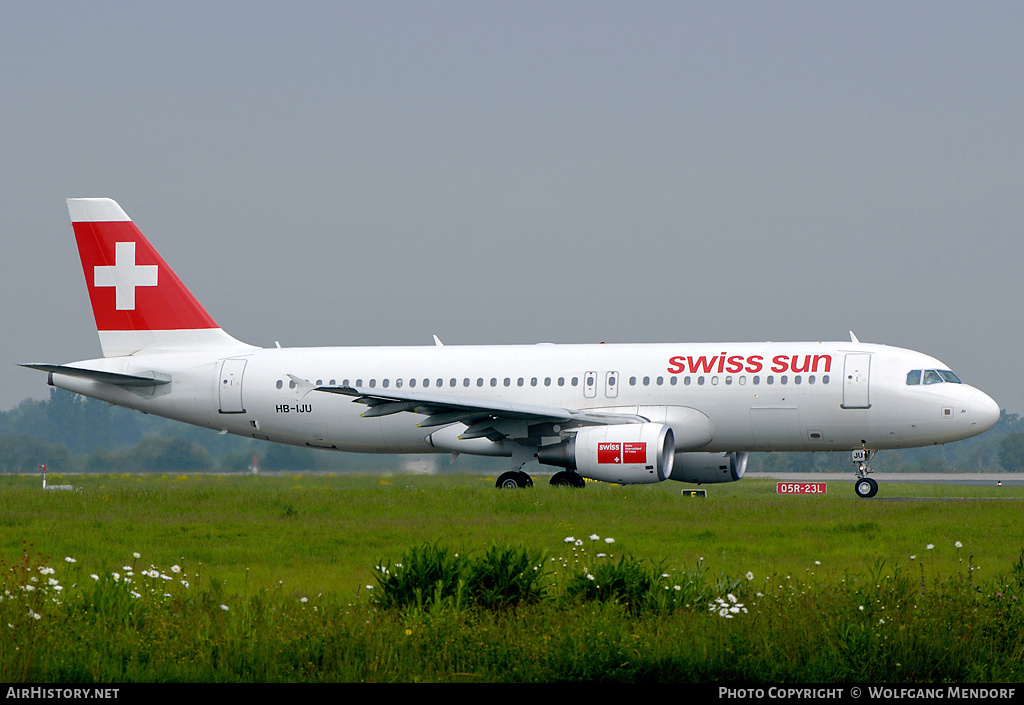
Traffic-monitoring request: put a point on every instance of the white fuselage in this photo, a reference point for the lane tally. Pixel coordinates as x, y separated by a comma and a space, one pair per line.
756, 396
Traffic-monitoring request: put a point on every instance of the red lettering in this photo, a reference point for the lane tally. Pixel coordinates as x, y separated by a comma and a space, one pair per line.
724, 362
807, 363
827, 359
701, 362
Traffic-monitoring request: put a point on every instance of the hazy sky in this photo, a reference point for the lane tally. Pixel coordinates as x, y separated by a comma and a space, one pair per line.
511, 172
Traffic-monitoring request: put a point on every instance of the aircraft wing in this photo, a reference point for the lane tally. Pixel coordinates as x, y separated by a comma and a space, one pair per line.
483, 417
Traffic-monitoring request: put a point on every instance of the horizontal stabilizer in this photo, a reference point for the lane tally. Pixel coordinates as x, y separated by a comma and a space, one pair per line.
145, 379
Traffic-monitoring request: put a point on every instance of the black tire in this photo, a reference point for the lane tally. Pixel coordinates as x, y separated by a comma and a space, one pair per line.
508, 481
567, 479
513, 480
865, 487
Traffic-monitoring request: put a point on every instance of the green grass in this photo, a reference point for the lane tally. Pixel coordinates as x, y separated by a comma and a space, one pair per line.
839, 588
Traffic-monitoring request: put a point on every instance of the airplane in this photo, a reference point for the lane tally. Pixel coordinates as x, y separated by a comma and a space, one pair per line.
618, 413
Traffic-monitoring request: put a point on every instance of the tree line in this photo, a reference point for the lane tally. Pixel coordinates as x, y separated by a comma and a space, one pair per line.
72, 433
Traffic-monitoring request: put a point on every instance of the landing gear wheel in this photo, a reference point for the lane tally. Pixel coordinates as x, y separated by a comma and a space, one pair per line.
567, 479
514, 479
865, 487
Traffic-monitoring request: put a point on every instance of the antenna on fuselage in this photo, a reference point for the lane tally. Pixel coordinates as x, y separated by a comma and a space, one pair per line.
853, 338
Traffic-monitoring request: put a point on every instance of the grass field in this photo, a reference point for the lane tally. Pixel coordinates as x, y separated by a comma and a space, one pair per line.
943, 572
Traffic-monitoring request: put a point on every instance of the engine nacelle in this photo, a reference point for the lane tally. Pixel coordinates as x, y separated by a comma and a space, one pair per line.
622, 453
709, 468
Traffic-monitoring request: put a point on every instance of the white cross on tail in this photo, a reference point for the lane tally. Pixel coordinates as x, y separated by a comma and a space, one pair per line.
125, 275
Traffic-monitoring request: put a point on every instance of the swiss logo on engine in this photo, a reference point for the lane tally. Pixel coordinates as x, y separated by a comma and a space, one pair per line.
621, 453
609, 453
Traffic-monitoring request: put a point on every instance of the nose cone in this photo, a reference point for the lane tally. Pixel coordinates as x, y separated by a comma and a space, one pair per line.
984, 412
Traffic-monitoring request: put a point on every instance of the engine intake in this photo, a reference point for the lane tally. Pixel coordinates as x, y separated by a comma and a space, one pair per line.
622, 453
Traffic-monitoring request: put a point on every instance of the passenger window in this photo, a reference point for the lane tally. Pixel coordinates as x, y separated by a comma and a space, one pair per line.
280, 384
914, 377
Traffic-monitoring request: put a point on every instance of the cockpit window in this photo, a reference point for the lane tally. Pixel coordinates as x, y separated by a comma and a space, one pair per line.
932, 377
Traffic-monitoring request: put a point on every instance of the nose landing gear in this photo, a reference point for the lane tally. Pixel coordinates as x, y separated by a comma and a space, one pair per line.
864, 486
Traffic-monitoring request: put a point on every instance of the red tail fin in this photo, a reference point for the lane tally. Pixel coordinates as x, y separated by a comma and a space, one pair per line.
137, 300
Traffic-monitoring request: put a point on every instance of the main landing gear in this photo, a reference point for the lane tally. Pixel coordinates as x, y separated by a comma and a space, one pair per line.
513, 479
864, 486
567, 479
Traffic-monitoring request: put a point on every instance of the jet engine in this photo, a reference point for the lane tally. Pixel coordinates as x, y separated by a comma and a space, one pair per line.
709, 468
620, 453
